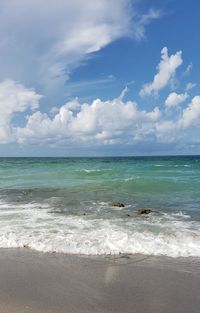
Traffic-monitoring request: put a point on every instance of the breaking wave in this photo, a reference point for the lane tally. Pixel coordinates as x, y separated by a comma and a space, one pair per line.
37, 226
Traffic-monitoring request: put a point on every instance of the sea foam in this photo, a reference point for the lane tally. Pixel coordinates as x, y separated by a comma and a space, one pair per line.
35, 225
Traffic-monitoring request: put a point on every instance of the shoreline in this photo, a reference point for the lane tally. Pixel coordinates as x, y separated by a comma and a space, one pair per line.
36, 282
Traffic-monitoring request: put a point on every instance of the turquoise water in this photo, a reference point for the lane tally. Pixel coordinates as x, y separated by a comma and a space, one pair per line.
64, 205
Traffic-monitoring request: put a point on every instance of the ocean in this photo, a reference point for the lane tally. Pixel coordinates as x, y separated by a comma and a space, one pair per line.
65, 205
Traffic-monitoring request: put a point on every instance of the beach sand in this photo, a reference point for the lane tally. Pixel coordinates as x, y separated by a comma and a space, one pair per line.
33, 282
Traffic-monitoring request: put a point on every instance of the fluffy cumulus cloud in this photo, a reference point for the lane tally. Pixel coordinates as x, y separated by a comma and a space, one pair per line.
187, 120
101, 122
50, 39
166, 71
191, 115
174, 99
14, 99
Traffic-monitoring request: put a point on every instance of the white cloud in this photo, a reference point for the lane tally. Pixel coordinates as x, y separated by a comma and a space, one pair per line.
43, 41
190, 86
102, 122
14, 98
174, 99
143, 21
188, 119
191, 115
165, 126
188, 69
166, 71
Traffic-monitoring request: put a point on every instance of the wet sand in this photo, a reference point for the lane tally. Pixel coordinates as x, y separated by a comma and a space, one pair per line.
32, 282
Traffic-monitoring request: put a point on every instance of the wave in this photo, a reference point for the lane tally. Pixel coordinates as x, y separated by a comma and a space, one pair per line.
37, 226
93, 170
90, 170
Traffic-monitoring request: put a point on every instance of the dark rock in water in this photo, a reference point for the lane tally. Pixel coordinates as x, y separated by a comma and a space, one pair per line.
128, 215
144, 211
118, 204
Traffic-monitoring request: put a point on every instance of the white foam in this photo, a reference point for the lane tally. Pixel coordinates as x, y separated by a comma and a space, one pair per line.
33, 225
90, 170
181, 214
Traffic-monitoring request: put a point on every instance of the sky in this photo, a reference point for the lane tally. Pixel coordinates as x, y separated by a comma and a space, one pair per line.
99, 77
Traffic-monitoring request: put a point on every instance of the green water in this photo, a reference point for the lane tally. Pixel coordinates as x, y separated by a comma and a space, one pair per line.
158, 182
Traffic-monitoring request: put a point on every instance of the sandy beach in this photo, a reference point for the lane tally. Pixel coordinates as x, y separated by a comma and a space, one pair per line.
33, 282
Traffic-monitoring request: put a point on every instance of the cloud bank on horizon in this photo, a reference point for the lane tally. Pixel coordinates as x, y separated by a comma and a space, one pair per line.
51, 53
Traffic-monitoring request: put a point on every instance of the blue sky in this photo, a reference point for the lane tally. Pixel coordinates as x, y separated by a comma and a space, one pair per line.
118, 77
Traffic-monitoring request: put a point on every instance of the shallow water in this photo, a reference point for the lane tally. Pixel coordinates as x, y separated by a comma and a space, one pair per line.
64, 205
